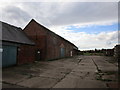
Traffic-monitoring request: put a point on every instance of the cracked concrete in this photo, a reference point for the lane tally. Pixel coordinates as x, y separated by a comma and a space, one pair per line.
77, 72
38, 82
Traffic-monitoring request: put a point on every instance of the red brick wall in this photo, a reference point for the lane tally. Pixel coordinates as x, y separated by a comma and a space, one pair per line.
53, 48
47, 42
26, 54
54, 45
38, 35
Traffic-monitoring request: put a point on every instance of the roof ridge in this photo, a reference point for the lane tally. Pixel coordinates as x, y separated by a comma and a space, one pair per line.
11, 25
14, 34
50, 31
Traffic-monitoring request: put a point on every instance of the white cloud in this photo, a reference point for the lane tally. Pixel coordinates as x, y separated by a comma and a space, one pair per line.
89, 41
58, 16
103, 23
15, 15
60, 1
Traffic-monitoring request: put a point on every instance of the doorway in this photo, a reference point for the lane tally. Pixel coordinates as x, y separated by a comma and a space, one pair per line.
38, 55
62, 50
9, 55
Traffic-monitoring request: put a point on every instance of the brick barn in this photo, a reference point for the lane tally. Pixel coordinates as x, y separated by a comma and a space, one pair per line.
48, 46
117, 51
12, 38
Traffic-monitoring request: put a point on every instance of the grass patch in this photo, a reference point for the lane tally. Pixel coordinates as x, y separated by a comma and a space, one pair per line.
97, 54
110, 73
99, 76
107, 80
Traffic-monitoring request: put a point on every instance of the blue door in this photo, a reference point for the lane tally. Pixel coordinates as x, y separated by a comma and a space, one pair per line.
62, 52
9, 56
1, 56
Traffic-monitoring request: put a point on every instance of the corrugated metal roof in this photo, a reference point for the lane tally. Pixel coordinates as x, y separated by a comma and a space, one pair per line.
14, 34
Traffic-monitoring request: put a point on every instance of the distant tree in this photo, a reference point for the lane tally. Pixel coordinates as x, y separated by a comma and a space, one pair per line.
95, 50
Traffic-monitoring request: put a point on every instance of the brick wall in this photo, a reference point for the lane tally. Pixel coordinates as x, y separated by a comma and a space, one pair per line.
47, 44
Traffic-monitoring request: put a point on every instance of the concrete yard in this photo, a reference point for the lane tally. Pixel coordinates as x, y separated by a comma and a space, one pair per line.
76, 72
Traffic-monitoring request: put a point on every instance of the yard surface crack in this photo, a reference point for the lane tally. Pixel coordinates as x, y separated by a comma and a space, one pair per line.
66, 74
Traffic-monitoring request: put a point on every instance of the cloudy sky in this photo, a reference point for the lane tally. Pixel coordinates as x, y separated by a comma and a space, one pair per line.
88, 25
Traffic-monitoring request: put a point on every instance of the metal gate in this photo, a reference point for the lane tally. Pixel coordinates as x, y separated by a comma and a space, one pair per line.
9, 55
